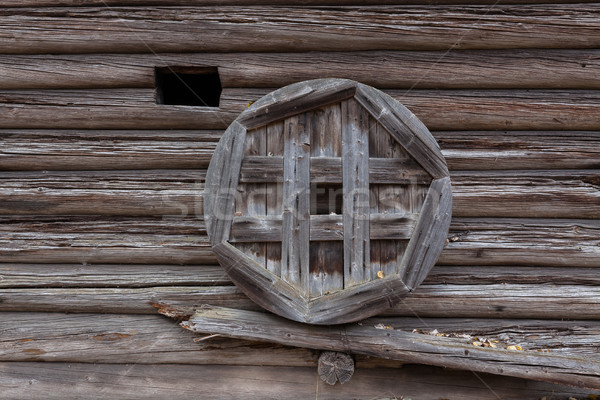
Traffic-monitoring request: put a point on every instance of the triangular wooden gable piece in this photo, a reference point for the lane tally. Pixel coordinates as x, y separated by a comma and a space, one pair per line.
327, 201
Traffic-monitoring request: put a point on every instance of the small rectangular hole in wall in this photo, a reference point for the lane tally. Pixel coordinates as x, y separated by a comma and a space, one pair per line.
188, 86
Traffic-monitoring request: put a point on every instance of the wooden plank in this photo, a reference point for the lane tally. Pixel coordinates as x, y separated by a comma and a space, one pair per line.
458, 69
295, 255
264, 288
394, 344
326, 265
221, 183
16, 276
295, 99
181, 241
31, 380
535, 193
329, 170
514, 300
430, 234
355, 175
119, 338
322, 227
480, 109
177, 29
103, 109
13, 276
113, 149
274, 206
251, 200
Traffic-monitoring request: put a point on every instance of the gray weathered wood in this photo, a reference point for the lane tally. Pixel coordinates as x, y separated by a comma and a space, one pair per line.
97, 240
479, 109
275, 148
394, 344
427, 242
322, 227
329, 170
140, 381
334, 366
460, 69
326, 265
221, 181
355, 175
178, 29
264, 288
295, 256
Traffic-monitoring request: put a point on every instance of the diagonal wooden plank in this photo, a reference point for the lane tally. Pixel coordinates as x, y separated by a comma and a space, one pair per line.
296, 203
395, 344
221, 183
428, 241
355, 175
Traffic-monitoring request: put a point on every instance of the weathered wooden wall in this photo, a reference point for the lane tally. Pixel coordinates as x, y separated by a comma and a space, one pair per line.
101, 188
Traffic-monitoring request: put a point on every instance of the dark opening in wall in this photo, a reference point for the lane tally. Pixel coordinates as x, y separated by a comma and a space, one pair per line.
188, 86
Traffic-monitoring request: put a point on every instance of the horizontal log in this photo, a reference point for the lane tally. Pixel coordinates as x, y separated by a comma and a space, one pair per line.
119, 339
15, 276
260, 169
459, 69
439, 110
398, 345
109, 275
543, 194
479, 109
105, 150
322, 227
184, 29
32, 380
117, 240
103, 109
536, 301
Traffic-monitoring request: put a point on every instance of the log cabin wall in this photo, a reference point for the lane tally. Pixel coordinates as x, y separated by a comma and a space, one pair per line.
101, 187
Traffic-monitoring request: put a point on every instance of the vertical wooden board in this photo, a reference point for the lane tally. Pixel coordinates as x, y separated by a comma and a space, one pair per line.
274, 196
295, 253
221, 183
251, 200
375, 245
326, 260
355, 176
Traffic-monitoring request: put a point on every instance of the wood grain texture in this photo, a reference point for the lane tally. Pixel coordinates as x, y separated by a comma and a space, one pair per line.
179, 193
501, 300
79, 149
183, 29
119, 338
480, 109
355, 176
141, 381
393, 344
458, 69
97, 240
334, 366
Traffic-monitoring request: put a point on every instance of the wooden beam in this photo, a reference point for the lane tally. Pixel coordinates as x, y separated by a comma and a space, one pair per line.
97, 240
44, 149
399, 345
322, 227
480, 109
27, 380
183, 29
458, 69
329, 170
179, 193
